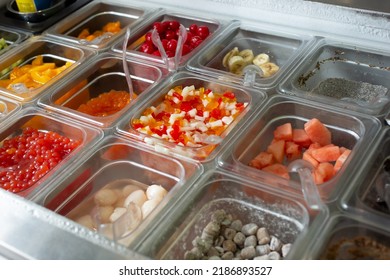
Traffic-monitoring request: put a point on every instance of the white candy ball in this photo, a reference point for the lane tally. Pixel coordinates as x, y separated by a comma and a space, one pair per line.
128, 189
149, 206
105, 213
86, 221
156, 192
119, 211
105, 197
138, 197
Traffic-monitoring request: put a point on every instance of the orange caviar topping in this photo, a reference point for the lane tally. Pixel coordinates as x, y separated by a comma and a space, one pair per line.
111, 27
106, 104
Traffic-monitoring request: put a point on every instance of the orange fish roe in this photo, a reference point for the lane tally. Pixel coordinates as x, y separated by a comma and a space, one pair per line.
106, 104
111, 27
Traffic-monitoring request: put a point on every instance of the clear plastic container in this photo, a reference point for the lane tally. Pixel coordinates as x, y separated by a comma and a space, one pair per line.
257, 47
138, 36
51, 52
351, 238
349, 130
104, 73
40, 168
283, 217
370, 190
106, 178
348, 76
12, 38
94, 16
209, 144
8, 107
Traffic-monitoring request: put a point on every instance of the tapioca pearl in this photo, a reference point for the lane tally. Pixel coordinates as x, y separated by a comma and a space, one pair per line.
105, 197
250, 241
156, 192
118, 212
249, 229
128, 189
275, 244
248, 253
138, 197
149, 206
239, 239
262, 250
236, 225
104, 213
286, 249
263, 236
86, 221
274, 256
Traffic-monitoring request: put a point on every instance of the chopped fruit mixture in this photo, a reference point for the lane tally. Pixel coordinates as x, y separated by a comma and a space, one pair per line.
312, 143
33, 75
111, 27
187, 116
106, 104
26, 158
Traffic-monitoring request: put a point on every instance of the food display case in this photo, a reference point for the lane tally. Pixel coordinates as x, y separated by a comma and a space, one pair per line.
211, 130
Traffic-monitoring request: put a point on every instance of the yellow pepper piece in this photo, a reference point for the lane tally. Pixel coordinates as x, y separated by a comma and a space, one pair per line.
37, 61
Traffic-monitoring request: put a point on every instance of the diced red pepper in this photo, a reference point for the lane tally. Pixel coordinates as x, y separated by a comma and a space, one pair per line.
160, 131
186, 106
177, 95
229, 95
216, 113
138, 125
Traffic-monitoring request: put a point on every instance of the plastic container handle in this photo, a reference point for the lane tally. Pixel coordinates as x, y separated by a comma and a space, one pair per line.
126, 67
172, 65
309, 188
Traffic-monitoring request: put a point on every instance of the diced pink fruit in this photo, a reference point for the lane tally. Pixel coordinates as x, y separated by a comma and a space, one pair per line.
277, 169
263, 159
318, 132
340, 161
328, 153
276, 148
284, 132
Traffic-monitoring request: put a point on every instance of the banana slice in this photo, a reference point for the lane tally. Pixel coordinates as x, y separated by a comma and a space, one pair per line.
236, 64
247, 55
227, 56
269, 69
261, 59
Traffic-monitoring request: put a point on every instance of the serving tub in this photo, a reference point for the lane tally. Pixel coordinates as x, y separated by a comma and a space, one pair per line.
8, 107
137, 37
103, 74
187, 140
119, 168
46, 154
354, 77
12, 38
51, 52
94, 16
370, 187
283, 217
347, 130
347, 237
258, 48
